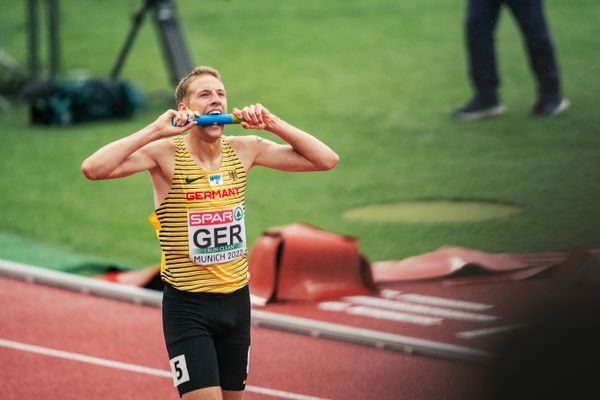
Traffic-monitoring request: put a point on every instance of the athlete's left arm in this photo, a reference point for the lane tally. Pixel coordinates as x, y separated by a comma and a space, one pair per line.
303, 152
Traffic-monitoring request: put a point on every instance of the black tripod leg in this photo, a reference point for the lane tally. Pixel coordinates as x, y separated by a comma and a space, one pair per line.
174, 48
33, 61
54, 38
138, 18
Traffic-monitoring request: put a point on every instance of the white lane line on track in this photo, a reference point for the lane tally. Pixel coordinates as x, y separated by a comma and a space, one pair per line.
378, 313
487, 331
133, 367
435, 301
418, 309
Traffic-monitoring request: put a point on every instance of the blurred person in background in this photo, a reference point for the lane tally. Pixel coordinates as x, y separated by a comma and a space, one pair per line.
481, 20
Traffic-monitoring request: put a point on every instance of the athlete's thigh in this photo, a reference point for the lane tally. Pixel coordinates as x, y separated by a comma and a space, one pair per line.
233, 348
194, 364
233, 359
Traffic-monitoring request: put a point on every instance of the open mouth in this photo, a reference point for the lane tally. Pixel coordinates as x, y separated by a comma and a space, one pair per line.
214, 112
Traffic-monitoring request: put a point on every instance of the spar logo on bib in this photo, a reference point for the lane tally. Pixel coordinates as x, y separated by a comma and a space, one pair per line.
238, 214
216, 237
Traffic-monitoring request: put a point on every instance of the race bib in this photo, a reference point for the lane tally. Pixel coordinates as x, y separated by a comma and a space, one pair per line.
216, 237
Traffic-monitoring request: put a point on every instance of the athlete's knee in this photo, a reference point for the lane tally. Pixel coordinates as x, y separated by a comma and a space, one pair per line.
208, 393
233, 394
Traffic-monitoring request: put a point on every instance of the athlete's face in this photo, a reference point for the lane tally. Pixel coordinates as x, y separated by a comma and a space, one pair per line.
207, 95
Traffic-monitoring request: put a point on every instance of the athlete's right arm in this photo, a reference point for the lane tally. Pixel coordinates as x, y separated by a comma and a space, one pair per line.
136, 152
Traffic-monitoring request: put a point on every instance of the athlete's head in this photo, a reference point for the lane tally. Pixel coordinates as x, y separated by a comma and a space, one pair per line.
202, 91
181, 92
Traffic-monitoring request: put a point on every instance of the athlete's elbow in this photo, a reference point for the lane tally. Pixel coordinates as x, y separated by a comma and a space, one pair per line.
329, 162
90, 171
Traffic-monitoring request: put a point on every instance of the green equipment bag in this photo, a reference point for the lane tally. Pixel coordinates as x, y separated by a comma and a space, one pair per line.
65, 102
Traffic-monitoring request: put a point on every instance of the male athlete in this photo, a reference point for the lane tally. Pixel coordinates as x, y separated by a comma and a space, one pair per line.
199, 182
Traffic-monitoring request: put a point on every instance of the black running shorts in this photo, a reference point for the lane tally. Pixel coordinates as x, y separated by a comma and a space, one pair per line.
208, 338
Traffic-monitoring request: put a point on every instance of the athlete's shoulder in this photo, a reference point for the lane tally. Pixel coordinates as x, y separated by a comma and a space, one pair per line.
246, 147
161, 151
162, 145
244, 140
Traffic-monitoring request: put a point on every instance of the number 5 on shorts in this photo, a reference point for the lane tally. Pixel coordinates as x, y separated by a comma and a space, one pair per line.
179, 370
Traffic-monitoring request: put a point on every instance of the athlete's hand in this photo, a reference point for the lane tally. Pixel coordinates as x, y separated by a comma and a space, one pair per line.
255, 116
164, 123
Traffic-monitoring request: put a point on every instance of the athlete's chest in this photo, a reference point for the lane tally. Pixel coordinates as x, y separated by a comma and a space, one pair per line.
214, 212
226, 185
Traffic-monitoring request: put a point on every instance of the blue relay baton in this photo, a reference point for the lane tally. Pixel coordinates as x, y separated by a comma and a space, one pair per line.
213, 119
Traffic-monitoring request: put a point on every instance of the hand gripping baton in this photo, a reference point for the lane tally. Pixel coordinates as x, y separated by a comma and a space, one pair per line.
213, 119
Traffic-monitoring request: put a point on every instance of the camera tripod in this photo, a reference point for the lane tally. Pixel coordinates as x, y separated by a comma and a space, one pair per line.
173, 44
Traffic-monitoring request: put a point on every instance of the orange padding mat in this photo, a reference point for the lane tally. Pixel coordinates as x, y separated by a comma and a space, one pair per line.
300, 262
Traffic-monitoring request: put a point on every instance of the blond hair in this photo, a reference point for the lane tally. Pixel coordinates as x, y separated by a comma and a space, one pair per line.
184, 84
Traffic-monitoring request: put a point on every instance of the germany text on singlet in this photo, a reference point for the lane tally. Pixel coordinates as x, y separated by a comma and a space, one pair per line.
200, 225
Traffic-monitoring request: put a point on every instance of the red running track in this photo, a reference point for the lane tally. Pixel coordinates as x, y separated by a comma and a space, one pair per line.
36, 320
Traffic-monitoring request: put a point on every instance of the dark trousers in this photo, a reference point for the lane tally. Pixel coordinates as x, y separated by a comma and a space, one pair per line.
482, 16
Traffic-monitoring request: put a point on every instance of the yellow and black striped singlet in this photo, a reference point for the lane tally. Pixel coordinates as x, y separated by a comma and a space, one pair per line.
205, 209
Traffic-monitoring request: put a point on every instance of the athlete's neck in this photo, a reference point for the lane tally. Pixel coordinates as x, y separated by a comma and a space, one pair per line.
206, 149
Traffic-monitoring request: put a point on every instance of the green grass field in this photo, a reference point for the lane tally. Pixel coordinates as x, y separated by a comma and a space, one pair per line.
376, 80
